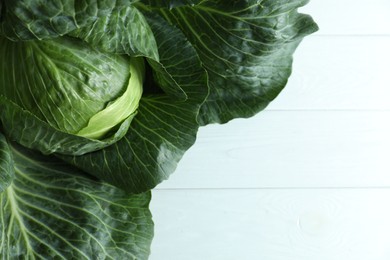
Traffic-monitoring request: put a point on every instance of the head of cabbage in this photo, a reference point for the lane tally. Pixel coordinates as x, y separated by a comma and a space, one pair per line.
71, 86
71, 77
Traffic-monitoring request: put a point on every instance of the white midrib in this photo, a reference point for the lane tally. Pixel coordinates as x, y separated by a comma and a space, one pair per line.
16, 215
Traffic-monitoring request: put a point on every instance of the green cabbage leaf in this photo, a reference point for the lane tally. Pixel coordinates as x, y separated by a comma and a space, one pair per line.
54, 211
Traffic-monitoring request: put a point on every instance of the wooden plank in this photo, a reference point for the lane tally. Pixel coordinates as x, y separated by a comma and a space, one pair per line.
338, 73
290, 149
353, 17
271, 224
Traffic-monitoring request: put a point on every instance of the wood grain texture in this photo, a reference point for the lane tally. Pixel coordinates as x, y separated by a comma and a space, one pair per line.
340, 72
290, 149
334, 224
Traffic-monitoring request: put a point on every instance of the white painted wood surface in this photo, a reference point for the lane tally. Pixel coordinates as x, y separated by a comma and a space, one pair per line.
339, 72
309, 178
290, 149
286, 224
350, 17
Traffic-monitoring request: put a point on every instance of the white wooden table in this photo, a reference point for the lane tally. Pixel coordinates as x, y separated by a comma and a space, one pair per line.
307, 179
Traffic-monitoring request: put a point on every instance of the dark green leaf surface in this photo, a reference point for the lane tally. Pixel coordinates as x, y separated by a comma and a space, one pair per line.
246, 47
1, 9
53, 211
123, 30
26, 19
164, 128
6, 164
168, 3
36, 19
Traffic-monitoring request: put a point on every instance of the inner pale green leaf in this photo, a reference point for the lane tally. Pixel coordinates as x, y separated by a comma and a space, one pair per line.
121, 108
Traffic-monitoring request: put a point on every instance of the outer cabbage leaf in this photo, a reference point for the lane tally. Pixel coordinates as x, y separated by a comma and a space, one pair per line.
128, 33
246, 46
26, 19
6, 164
89, 19
54, 211
36, 19
170, 3
165, 126
1, 10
